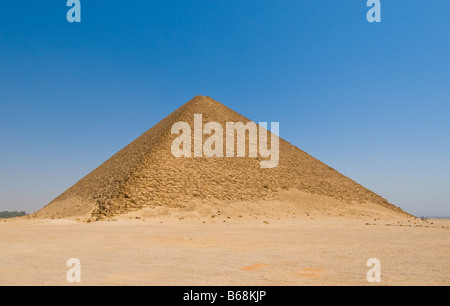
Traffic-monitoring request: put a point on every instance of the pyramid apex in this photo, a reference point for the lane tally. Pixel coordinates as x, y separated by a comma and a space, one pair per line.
203, 101
201, 98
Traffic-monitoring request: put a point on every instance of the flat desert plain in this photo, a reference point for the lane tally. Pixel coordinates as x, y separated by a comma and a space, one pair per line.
306, 250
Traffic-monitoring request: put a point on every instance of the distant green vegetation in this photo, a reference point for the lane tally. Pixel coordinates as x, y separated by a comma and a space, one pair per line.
11, 214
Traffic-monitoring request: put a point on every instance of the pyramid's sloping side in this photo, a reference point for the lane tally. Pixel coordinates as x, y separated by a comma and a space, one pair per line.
145, 173
101, 185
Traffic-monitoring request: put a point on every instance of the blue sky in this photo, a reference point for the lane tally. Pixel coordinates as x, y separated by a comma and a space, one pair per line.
370, 100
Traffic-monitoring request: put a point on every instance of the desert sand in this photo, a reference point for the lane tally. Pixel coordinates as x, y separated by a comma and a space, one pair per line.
295, 250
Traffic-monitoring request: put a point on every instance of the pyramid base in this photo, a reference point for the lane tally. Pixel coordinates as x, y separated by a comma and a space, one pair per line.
285, 204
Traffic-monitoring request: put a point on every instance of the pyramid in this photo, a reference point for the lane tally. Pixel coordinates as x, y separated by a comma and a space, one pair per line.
145, 174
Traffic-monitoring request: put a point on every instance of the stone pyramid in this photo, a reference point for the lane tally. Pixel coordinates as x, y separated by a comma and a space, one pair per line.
145, 174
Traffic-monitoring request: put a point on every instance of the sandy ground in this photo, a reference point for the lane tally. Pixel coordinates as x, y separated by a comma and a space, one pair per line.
300, 251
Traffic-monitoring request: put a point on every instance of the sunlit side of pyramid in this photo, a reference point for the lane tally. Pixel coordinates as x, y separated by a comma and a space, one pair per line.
145, 174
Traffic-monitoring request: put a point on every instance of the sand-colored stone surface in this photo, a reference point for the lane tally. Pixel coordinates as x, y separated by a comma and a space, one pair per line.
145, 174
300, 250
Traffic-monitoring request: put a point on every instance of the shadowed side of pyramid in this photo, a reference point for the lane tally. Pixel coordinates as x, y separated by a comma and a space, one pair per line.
145, 174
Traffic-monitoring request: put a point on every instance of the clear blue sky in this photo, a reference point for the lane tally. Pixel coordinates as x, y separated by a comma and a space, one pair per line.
370, 100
